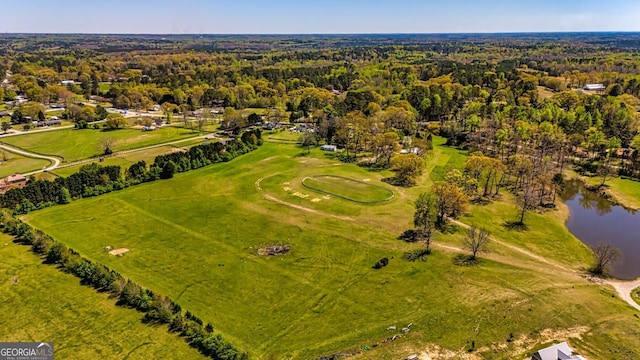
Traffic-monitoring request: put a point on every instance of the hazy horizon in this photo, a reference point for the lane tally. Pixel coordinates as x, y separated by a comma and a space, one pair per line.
287, 17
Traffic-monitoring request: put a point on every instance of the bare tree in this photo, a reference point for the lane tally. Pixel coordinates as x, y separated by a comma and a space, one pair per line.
200, 121
107, 145
605, 256
527, 201
207, 116
476, 241
307, 140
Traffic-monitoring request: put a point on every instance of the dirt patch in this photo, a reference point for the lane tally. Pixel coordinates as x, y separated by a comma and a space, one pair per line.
434, 352
274, 250
276, 200
624, 289
267, 159
523, 344
118, 252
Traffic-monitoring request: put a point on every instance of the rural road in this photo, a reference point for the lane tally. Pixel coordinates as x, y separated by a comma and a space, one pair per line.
55, 162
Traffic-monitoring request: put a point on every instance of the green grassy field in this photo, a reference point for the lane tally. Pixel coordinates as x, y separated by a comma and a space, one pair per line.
196, 238
104, 87
346, 188
44, 304
72, 145
124, 160
18, 164
626, 192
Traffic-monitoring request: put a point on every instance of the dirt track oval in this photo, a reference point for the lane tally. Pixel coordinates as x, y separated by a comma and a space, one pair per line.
348, 189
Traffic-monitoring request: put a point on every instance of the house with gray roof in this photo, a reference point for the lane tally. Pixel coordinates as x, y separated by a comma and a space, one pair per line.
560, 351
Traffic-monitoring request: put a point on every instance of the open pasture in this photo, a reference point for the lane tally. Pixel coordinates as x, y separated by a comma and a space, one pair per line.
42, 303
196, 239
72, 145
11, 163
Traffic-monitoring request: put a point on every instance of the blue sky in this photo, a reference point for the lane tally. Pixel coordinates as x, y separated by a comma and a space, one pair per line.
329, 16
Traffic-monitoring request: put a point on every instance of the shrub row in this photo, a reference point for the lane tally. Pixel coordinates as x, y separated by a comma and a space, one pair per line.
93, 179
158, 309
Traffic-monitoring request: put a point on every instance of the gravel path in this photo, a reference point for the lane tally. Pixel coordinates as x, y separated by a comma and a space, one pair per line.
55, 162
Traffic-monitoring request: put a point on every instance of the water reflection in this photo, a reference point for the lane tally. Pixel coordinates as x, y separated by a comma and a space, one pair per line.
595, 219
588, 199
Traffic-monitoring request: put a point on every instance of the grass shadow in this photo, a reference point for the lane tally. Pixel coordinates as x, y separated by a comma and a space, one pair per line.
395, 182
480, 201
515, 226
465, 260
371, 166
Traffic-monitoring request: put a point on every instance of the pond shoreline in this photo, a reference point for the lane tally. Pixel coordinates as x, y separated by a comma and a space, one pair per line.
597, 217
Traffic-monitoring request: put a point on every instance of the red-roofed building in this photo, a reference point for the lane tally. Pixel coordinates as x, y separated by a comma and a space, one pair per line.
13, 181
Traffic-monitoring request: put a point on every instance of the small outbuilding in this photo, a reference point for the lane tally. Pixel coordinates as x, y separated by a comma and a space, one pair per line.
560, 351
594, 87
329, 148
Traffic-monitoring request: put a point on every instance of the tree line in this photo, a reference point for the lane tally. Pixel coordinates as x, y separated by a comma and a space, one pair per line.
93, 179
158, 309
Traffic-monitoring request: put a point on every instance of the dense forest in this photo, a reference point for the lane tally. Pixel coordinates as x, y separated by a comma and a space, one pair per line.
517, 98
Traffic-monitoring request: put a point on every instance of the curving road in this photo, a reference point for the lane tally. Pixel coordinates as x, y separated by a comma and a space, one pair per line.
624, 289
55, 162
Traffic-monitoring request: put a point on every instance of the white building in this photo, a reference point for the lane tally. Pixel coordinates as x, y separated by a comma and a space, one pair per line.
594, 87
560, 351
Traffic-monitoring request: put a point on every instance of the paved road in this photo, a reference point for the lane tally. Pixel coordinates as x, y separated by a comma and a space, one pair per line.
55, 162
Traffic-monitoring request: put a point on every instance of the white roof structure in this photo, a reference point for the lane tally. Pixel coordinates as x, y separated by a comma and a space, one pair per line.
599, 87
560, 351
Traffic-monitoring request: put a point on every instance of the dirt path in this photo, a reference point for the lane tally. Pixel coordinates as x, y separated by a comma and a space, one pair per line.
299, 207
624, 289
521, 250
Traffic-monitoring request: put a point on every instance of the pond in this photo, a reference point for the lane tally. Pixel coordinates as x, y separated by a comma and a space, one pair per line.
595, 219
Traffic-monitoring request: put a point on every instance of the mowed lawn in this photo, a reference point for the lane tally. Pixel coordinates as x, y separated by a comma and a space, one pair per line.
347, 188
71, 144
196, 237
123, 160
18, 164
41, 303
